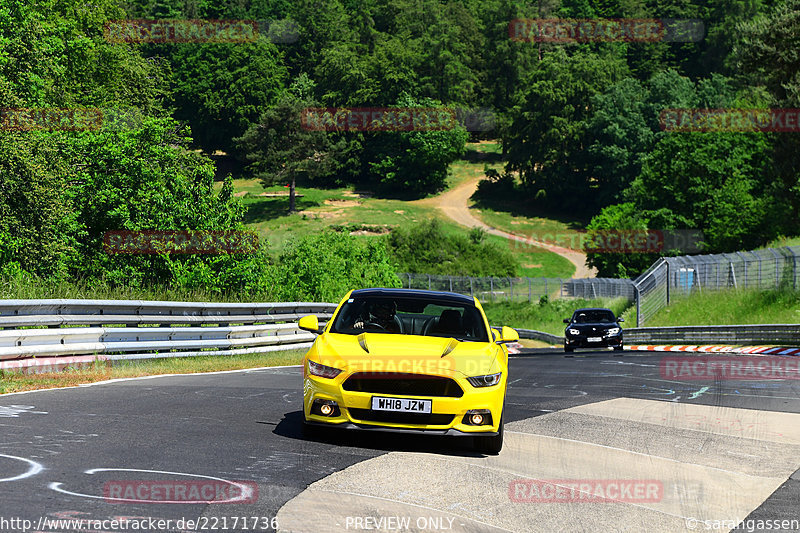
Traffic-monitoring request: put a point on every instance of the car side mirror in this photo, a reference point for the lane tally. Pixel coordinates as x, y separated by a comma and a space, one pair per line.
620, 319
309, 323
508, 334
566, 321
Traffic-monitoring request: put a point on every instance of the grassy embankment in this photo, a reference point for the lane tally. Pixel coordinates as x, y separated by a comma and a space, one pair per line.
368, 216
100, 371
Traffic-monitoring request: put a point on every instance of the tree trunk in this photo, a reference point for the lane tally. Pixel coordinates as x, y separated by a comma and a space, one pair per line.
292, 206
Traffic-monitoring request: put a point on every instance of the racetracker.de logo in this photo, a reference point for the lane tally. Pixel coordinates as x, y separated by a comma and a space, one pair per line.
729, 368
375, 119
179, 242
731, 120
605, 30
586, 491
50, 118
180, 31
178, 491
617, 241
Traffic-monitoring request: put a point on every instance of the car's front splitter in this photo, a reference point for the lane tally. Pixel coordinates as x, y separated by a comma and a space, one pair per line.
452, 432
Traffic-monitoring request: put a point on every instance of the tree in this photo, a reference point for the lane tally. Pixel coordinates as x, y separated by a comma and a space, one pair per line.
281, 150
220, 90
416, 162
548, 133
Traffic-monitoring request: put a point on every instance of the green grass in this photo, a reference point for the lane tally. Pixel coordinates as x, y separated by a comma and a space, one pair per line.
548, 316
784, 241
322, 208
563, 232
100, 371
97, 289
734, 306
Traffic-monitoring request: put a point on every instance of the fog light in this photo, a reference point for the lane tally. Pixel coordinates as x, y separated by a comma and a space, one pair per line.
477, 417
322, 407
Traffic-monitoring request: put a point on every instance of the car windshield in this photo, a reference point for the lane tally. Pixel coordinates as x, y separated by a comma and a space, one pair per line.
592, 317
411, 316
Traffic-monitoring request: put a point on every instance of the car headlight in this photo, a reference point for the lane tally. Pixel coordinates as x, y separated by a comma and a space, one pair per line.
573, 331
613, 331
323, 371
485, 381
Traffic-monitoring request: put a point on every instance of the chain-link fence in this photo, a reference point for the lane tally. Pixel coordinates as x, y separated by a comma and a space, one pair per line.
488, 289
770, 268
759, 269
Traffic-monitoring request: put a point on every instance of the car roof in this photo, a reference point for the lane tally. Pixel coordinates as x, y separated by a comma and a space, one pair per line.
413, 293
594, 309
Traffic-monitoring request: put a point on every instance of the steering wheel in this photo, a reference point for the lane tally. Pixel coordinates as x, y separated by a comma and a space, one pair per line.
375, 324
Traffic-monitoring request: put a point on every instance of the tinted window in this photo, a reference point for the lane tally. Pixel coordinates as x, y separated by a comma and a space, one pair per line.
586, 317
410, 316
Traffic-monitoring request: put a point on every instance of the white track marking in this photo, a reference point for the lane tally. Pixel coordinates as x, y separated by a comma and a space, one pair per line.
120, 380
34, 468
246, 492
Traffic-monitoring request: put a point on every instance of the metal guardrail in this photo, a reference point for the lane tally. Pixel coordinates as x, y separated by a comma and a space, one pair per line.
540, 336
750, 334
36, 328
745, 335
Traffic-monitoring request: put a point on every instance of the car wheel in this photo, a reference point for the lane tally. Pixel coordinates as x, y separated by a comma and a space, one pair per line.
618, 348
568, 349
490, 445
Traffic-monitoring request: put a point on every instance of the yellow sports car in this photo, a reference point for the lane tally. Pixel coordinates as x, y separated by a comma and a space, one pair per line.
408, 361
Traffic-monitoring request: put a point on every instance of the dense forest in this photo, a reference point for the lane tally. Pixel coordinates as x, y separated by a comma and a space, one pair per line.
579, 124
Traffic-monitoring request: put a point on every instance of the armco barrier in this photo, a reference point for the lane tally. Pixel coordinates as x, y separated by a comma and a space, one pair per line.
121, 329
750, 334
745, 335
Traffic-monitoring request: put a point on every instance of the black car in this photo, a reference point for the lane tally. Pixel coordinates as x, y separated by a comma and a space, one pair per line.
593, 328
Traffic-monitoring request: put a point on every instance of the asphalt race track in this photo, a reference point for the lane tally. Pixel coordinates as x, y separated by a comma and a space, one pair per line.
720, 453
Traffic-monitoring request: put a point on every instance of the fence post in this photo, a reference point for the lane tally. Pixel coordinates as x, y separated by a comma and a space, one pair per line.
470, 287
668, 280
561, 285
429, 282
491, 288
510, 290
529, 289
451, 282
638, 306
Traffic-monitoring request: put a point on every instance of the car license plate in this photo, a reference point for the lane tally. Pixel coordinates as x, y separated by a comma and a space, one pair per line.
594, 339
403, 405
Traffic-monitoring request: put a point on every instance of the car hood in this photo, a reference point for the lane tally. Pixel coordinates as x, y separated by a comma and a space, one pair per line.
387, 353
599, 326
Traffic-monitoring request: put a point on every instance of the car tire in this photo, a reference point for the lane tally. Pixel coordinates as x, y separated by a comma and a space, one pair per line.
569, 349
618, 348
490, 445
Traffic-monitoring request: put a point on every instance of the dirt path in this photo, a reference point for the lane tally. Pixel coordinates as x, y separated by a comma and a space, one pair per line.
455, 204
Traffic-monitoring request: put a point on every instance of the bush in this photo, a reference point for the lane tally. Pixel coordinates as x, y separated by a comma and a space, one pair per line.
427, 248
324, 267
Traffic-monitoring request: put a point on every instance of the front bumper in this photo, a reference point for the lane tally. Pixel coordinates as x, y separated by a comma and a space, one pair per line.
489, 399
582, 341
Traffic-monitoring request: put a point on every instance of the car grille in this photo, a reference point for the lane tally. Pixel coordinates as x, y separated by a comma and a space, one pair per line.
403, 384
422, 419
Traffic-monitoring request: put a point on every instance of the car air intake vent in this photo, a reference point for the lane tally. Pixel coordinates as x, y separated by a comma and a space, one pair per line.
421, 419
403, 384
